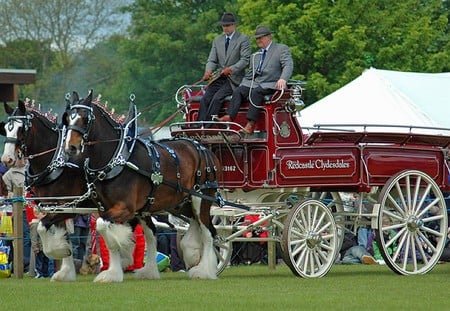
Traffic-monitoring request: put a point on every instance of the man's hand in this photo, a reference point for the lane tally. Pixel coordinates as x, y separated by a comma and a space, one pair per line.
207, 75
226, 72
281, 84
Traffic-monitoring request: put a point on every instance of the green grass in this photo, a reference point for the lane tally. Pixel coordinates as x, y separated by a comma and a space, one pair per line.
357, 287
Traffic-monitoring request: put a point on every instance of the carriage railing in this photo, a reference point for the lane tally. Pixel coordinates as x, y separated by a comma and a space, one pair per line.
352, 127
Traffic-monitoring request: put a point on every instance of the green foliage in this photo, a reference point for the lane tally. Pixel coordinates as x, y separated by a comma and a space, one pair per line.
169, 44
168, 41
332, 42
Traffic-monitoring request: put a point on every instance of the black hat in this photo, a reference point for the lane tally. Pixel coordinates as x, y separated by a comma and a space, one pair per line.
227, 18
262, 31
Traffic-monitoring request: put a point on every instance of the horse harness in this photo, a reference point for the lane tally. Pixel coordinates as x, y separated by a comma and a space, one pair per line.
58, 162
120, 160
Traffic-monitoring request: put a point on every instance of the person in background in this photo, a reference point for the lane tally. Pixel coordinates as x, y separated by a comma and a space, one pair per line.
230, 55
15, 177
80, 235
42, 262
270, 69
3, 188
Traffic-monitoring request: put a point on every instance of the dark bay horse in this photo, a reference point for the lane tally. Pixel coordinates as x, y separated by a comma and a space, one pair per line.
136, 177
31, 134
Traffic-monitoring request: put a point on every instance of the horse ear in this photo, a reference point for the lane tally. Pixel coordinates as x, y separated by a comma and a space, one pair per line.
75, 97
22, 106
89, 97
8, 109
2, 128
64, 119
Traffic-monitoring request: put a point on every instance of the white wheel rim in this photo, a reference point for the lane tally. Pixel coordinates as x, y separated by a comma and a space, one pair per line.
311, 239
412, 235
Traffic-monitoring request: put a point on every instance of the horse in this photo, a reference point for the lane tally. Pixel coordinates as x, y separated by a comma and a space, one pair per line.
32, 134
132, 176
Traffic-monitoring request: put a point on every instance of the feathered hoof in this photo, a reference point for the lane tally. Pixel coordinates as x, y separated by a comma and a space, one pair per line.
147, 274
109, 277
198, 273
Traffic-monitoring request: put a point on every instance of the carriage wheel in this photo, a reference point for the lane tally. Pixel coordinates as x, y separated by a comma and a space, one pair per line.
412, 223
335, 204
222, 247
310, 239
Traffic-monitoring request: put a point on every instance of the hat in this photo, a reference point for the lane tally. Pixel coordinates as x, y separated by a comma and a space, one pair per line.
227, 18
262, 31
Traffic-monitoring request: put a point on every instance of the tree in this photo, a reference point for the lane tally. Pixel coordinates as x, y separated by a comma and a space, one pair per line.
59, 30
168, 47
68, 25
332, 42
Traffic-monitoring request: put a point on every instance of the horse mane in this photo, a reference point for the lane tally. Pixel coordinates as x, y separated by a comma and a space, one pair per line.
120, 119
49, 115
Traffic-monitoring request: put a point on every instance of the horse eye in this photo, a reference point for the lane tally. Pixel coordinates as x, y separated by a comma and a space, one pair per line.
73, 114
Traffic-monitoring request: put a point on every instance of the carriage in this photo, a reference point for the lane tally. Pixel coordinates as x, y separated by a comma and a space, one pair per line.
298, 182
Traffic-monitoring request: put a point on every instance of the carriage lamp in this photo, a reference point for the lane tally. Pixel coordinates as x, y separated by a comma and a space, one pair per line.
295, 103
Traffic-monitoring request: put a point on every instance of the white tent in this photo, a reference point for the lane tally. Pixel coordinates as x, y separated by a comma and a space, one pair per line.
386, 98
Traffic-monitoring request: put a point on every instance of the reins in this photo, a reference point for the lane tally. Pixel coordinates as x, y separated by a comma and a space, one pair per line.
32, 156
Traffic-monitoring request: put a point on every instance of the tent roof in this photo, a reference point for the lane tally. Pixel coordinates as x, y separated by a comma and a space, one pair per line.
385, 97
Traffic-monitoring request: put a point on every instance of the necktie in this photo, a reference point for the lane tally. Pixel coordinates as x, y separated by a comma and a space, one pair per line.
227, 43
258, 70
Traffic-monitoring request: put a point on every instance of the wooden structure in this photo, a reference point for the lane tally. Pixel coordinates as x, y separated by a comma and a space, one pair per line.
10, 79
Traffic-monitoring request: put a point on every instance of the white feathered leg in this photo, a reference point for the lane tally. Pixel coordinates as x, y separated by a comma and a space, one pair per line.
67, 271
207, 267
119, 240
191, 245
54, 241
150, 269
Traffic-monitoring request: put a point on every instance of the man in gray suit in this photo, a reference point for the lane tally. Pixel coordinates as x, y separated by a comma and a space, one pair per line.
270, 69
230, 54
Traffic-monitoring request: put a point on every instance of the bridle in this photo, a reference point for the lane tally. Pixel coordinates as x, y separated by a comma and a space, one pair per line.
122, 152
84, 132
51, 171
26, 125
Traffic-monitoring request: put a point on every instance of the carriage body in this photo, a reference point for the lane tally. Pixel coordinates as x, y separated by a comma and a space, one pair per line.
280, 154
281, 166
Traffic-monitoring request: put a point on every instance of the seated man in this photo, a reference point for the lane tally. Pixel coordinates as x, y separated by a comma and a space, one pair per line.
269, 71
230, 53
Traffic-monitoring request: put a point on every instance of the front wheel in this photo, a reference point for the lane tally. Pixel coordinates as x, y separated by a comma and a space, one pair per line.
310, 239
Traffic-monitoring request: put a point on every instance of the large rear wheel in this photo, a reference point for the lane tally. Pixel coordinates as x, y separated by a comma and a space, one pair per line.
412, 223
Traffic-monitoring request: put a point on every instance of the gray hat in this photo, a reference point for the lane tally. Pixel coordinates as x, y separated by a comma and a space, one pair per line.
227, 18
262, 31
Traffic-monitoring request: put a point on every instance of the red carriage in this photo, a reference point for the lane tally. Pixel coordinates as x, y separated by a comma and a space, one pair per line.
297, 183
293, 181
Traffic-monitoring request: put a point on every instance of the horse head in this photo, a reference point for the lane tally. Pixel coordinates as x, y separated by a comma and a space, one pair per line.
77, 118
15, 130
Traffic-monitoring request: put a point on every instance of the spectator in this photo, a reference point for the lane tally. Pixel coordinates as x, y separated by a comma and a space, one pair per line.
3, 188
250, 252
42, 262
167, 242
270, 69
15, 177
387, 236
230, 54
356, 253
80, 236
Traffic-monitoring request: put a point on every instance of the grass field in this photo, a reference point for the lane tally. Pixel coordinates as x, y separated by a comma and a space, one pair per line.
358, 287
